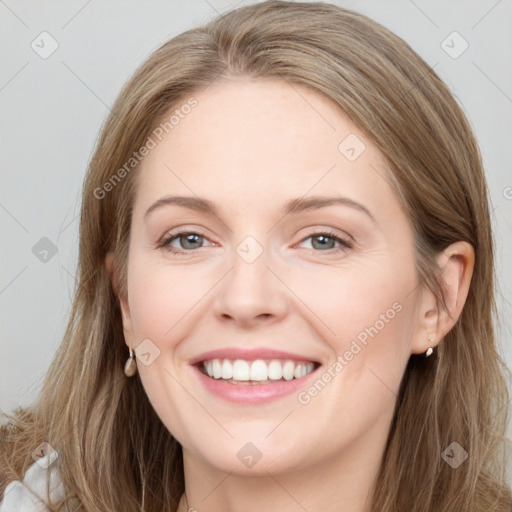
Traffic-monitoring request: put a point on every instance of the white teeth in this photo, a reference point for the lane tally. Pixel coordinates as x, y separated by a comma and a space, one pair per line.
217, 369
241, 370
275, 370
288, 370
258, 370
227, 369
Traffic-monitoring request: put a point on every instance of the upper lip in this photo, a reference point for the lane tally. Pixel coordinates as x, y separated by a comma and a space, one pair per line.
248, 354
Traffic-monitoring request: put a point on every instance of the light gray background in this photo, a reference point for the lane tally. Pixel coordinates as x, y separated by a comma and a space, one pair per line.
52, 110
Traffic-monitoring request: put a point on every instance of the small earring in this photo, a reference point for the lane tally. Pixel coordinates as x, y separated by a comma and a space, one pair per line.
130, 367
429, 350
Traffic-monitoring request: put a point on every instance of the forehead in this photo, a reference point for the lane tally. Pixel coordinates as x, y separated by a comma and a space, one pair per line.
248, 140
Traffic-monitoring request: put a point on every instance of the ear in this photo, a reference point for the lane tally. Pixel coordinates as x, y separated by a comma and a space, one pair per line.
123, 301
457, 263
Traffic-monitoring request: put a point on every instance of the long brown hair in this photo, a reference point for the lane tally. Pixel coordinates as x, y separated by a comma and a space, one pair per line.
115, 453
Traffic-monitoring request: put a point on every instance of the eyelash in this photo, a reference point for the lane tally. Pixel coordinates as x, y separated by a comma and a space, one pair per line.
165, 244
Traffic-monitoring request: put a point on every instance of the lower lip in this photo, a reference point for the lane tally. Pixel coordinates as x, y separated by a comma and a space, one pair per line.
252, 393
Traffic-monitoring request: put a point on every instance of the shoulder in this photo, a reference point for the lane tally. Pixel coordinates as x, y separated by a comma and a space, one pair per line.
31, 495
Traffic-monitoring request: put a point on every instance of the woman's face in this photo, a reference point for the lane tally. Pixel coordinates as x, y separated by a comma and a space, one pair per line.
257, 287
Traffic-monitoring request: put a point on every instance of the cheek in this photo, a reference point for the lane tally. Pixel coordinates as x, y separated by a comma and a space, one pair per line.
354, 302
161, 296
365, 314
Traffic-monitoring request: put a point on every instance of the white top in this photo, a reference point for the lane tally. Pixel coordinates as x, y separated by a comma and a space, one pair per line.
18, 498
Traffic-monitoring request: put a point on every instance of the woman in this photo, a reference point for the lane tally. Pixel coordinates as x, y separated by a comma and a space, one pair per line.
328, 343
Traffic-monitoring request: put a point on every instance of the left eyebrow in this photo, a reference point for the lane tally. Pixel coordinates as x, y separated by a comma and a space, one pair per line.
292, 206
314, 202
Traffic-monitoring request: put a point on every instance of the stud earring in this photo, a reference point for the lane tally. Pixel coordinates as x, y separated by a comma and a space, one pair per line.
130, 367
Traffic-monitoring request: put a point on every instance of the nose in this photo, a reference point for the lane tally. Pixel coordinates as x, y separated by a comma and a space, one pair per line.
251, 293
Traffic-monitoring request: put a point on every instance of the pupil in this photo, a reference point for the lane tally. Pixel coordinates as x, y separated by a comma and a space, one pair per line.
189, 238
322, 237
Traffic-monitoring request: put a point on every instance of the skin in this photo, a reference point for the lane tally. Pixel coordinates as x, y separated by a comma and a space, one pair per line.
297, 296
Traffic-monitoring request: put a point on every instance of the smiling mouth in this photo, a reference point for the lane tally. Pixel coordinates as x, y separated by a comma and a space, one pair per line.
256, 372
